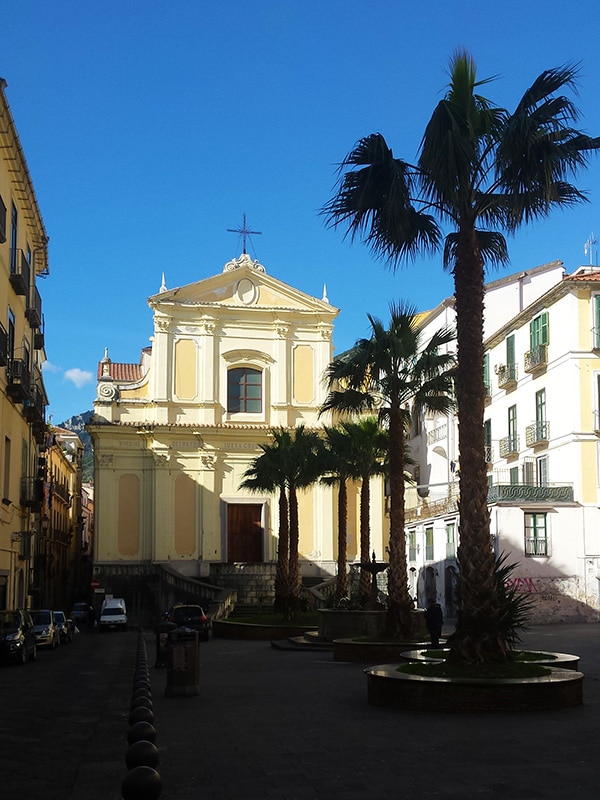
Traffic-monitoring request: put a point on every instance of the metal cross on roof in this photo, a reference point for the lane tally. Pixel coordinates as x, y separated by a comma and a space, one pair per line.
244, 232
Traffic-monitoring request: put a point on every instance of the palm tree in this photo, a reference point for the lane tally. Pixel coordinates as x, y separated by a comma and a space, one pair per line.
388, 372
370, 443
289, 463
338, 468
481, 170
302, 470
267, 474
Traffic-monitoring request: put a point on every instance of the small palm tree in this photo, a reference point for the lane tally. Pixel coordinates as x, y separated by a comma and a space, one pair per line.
267, 474
338, 468
370, 444
390, 372
481, 170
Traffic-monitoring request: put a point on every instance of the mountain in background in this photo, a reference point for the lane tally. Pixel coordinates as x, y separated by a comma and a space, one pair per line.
77, 425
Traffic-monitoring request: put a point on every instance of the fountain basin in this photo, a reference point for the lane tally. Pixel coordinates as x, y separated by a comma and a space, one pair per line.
562, 688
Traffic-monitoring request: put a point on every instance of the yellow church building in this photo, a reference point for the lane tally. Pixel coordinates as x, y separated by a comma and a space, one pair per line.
231, 357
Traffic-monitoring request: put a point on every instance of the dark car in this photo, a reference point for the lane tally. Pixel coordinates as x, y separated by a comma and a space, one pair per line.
66, 626
17, 637
80, 614
190, 616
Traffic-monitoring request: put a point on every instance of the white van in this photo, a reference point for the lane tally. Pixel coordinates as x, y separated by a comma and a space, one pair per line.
113, 615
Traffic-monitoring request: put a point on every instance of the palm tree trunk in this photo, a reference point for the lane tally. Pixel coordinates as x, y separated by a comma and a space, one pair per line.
283, 558
401, 605
293, 600
476, 637
341, 586
364, 587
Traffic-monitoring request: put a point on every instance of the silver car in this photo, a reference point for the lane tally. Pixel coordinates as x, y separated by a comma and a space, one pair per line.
46, 631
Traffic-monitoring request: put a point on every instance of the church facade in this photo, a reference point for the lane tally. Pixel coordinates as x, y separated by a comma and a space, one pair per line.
231, 357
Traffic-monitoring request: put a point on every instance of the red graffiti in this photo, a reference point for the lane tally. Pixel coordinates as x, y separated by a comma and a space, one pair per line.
523, 585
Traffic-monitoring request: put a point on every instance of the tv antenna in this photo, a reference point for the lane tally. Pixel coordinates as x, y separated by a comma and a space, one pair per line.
588, 247
244, 232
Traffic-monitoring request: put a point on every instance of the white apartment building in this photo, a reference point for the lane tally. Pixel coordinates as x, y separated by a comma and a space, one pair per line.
542, 432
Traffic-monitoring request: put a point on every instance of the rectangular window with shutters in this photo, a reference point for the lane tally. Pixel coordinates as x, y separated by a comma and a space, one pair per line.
536, 535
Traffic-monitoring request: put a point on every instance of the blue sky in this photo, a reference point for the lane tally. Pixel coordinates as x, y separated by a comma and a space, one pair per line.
150, 127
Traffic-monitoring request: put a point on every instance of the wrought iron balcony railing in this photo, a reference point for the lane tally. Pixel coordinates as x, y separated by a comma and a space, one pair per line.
537, 433
507, 375
19, 272
536, 358
509, 446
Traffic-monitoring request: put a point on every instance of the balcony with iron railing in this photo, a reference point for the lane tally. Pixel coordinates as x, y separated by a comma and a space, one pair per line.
437, 434
432, 506
537, 433
507, 376
509, 446
18, 380
501, 491
489, 453
34, 407
536, 359
31, 493
33, 312
38, 336
19, 272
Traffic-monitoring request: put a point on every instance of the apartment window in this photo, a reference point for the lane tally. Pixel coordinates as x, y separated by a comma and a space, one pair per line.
512, 429
428, 544
412, 545
2, 221
487, 440
536, 535
541, 470
486, 374
513, 474
13, 239
6, 472
244, 390
450, 540
540, 406
596, 328
510, 350
11, 335
539, 332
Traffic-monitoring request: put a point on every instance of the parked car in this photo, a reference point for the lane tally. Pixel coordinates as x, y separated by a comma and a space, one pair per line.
65, 625
46, 632
113, 616
190, 616
17, 637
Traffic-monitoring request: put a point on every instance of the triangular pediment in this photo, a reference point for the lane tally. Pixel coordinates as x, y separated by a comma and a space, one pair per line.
242, 284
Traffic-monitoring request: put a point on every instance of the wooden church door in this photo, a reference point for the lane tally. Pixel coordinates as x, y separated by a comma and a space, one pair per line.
244, 532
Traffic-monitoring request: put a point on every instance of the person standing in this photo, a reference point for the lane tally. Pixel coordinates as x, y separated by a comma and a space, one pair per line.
434, 619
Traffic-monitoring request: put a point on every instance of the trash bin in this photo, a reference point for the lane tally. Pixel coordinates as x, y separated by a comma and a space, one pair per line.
162, 631
183, 673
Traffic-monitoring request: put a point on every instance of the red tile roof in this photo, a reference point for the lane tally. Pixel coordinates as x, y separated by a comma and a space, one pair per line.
121, 372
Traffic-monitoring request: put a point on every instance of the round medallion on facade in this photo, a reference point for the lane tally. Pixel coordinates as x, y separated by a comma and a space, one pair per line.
247, 292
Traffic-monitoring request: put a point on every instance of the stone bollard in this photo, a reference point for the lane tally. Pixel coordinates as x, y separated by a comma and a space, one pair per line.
142, 781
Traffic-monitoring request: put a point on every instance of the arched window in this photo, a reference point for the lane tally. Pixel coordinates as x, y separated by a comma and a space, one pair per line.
244, 390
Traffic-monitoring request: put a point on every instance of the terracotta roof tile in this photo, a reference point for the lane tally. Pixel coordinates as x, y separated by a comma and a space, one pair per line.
121, 372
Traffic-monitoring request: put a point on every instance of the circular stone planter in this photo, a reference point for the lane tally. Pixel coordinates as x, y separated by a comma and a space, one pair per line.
226, 629
548, 659
364, 652
562, 688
